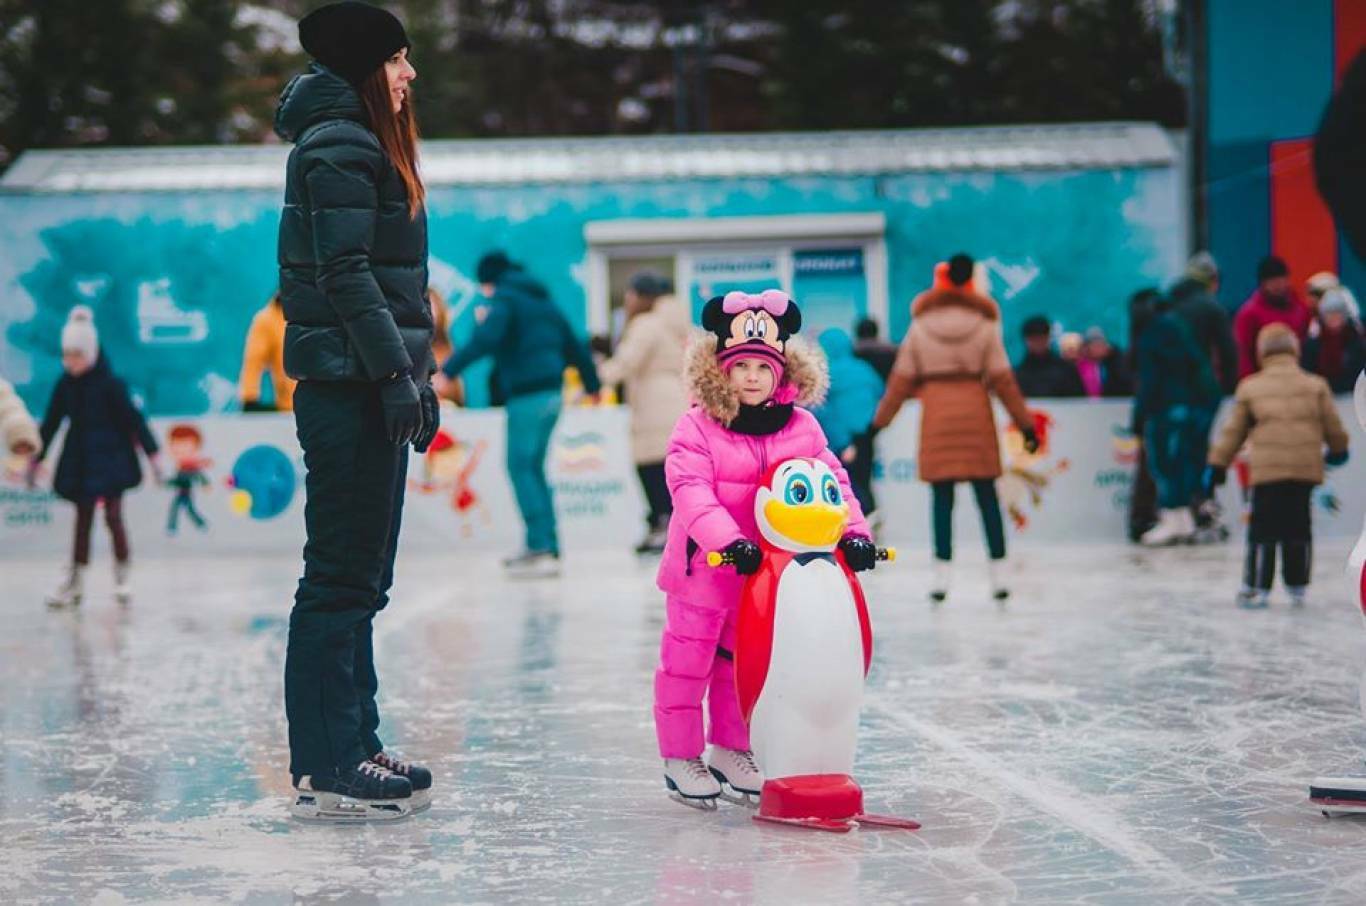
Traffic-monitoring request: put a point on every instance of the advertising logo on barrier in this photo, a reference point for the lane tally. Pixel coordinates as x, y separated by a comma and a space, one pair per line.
579, 460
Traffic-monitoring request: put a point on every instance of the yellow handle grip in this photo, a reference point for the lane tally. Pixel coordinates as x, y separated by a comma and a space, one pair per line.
891, 555
715, 559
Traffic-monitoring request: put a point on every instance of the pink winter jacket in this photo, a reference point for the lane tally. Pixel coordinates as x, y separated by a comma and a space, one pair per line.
713, 472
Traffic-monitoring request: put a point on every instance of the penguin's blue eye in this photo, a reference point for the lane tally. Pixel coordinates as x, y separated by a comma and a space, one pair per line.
798, 491
832, 492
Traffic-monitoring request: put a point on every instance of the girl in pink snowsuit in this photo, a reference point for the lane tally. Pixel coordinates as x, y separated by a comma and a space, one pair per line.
749, 381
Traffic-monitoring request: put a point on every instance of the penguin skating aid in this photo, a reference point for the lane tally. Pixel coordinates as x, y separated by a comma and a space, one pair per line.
803, 646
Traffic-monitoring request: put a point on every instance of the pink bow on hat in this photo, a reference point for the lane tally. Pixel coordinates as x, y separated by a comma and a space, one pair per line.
773, 301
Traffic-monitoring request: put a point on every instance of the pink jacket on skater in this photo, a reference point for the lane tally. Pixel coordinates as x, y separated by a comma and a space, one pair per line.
717, 457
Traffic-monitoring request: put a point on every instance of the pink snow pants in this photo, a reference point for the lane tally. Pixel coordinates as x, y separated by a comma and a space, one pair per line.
690, 669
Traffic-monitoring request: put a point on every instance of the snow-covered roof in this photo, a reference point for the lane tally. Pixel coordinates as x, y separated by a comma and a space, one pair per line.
588, 160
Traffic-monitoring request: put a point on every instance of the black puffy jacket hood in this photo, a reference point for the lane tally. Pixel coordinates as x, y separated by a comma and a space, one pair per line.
315, 97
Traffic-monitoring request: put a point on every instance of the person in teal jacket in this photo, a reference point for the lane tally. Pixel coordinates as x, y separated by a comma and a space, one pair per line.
531, 343
1173, 411
855, 390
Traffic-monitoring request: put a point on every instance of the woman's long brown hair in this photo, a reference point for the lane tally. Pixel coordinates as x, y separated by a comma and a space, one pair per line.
397, 134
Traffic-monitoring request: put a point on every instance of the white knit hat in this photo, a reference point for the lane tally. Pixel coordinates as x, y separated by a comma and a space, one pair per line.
79, 334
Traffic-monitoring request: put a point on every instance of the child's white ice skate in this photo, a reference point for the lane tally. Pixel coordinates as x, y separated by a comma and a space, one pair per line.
366, 792
940, 575
123, 589
1298, 594
1253, 598
691, 783
738, 775
69, 593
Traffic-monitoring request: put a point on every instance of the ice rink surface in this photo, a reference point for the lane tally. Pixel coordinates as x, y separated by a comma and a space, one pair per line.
1119, 733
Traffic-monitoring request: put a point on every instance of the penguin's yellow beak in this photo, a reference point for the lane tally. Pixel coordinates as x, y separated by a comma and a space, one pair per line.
812, 524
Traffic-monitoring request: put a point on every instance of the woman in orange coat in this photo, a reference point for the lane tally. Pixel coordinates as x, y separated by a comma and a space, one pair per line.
952, 358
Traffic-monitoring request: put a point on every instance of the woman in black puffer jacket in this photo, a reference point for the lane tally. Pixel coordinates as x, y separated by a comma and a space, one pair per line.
353, 281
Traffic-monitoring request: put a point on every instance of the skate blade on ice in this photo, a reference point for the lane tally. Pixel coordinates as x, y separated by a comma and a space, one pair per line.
733, 794
701, 803
332, 808
1339, 795
421, 800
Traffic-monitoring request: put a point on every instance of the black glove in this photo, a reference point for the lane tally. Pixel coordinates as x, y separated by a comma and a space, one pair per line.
402, 408
744, 555
1335, 459
431, 418
1031, 440
859, 552
257, 406
1213, 477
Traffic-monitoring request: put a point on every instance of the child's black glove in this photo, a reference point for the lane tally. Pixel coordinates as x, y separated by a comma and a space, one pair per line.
1336, 459
859, 552
744, 555
1213, 477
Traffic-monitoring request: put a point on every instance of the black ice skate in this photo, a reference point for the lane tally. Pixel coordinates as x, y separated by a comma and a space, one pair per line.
366, 792
418, 776
1339, 795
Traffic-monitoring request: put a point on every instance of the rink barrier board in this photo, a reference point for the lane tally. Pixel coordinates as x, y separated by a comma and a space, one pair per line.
1074, 490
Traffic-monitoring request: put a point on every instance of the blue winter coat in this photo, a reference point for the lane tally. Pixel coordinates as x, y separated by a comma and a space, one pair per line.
855, 390
529, 339
99, 456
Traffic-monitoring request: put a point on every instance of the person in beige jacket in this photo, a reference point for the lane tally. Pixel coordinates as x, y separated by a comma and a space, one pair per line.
648, 360
1287, 416
953, 359
17, 427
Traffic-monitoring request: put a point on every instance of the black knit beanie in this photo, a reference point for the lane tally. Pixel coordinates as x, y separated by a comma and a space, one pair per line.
493, 266
352, 39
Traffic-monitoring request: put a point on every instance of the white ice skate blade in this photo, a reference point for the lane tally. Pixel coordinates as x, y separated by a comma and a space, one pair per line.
1339, 795
333, 808
702, 804
734, 795
547, 571
421, 800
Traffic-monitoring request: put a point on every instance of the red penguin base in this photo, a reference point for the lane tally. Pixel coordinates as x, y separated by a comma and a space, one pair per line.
828, 802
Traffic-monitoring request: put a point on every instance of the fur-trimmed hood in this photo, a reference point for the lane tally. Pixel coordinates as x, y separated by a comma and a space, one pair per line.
708, 387
938, 297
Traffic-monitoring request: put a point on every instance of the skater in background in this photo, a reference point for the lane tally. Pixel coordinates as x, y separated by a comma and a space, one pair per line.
953, 359
1043, 372
846, 417
17, 427
531, 344
1193, 298
750, 381
1143, 496
99, 461
874, 350
1335, 349
1173, 409
353, 280
1274, 301
1287, 415
265, 355
649, 361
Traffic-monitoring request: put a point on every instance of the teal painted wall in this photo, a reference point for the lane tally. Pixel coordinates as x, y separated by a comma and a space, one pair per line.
175, 278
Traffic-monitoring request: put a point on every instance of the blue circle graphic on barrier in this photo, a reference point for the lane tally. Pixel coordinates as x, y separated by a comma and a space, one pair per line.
266, 475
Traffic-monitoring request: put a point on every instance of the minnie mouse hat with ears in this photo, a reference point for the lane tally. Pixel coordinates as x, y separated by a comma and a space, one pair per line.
752, 324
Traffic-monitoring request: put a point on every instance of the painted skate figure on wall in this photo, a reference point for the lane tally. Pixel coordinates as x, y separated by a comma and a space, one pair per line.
1027, 472
803, 646
191, 471
447, 468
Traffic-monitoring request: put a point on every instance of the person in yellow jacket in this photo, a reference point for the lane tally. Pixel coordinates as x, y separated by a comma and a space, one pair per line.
265, 352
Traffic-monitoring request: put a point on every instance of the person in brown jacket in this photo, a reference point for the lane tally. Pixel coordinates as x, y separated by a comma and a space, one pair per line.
1286, 415
649, 361
953, 358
